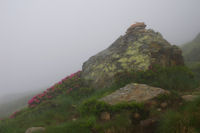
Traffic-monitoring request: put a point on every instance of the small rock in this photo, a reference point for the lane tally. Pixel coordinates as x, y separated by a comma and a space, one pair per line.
189, 97
163, 105
180, 103
35, 129
147, 122
159, 109
136, 115
74, 106
105, 116
74, 119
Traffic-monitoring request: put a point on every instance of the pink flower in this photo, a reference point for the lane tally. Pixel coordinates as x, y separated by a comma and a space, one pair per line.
31, 101
13, 115
32, 106
49, 97
60, 82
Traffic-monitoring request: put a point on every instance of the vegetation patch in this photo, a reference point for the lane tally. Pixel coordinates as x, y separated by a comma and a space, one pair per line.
171, 78
185, 120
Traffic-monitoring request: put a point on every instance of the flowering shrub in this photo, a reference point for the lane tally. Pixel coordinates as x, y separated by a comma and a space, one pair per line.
66, 85
14, 114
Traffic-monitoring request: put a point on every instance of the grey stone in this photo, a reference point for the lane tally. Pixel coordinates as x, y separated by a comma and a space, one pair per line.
133, 92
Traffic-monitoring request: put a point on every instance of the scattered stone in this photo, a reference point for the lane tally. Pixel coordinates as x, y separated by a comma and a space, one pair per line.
105, 116
133, 92
163, 105
74, 119
35, 129
136, 116
74, 106
180, 103
159, 109
139, 49
189, 97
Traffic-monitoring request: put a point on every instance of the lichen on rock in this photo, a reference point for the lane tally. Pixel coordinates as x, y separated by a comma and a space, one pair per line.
138, 49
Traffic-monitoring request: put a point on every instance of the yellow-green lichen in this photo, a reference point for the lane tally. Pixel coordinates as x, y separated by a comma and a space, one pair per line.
112, 67
106, 69
131, 52
92, 74
124, 65
100, 66
144, 38
115, 56
123, 60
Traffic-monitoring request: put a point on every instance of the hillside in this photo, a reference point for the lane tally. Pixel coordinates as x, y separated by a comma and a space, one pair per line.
135, 85
191, 50
191, 55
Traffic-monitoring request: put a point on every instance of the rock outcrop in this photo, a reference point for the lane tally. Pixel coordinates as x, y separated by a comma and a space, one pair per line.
133, 92
137, 50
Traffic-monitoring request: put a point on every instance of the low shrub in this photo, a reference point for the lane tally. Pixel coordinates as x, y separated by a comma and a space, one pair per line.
176, 77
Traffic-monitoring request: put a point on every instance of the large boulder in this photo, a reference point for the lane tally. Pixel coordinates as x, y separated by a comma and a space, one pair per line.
133, 93
137, 50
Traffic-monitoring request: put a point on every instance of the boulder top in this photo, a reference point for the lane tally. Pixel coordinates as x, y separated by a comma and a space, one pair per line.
137, 25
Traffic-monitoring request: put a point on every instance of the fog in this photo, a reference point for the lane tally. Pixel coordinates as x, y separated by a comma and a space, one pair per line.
42, 41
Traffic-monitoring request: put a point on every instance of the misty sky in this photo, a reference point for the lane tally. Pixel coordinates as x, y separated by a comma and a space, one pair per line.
42, 41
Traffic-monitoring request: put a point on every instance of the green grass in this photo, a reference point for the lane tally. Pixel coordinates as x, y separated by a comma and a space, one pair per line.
82, 104
170, 78
185, 120
195, 67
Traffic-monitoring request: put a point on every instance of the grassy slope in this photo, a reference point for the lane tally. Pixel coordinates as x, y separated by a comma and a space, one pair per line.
78, 111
